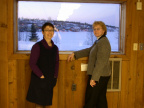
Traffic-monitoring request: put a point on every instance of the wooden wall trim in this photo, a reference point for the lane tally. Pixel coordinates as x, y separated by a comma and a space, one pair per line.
83, 1
63, 57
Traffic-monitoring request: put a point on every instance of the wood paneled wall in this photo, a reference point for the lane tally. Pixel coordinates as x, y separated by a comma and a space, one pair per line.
3, 55
15, 71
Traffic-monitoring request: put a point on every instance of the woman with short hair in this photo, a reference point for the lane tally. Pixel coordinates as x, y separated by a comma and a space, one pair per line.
98, 67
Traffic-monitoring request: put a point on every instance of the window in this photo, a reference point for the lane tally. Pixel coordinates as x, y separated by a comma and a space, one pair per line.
73, 23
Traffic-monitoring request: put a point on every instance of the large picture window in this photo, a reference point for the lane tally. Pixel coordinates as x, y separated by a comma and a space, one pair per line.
72, 21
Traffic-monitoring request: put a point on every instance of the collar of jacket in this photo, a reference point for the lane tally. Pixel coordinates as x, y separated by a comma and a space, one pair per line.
101, 37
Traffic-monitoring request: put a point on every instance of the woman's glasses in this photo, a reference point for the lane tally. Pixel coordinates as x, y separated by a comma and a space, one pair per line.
49, 30
96, 29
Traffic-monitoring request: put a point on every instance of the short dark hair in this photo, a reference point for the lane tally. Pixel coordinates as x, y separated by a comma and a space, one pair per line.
47, 24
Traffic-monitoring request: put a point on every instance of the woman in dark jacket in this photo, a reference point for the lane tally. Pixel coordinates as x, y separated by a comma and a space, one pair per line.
44, 62
98, 67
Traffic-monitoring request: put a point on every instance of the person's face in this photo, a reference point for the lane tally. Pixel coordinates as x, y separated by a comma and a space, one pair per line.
98, 31
48, 32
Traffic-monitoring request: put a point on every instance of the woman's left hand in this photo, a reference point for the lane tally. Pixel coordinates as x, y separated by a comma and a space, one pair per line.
92, 83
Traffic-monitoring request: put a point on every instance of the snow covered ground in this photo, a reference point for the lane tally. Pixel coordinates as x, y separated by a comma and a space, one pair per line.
67, 41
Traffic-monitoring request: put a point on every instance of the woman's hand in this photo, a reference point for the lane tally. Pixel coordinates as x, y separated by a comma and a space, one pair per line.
42, 77
70, 57
92, 83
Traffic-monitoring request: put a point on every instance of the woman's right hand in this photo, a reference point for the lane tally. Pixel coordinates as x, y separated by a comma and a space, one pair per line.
42, 77
70, 57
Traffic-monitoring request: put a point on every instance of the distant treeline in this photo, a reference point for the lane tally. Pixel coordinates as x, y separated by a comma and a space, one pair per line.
24, 25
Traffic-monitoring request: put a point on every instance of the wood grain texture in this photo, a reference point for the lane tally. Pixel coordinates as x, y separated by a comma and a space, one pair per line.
3, 55
15, 71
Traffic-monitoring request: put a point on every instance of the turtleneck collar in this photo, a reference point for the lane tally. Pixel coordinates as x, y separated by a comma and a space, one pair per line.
46, 44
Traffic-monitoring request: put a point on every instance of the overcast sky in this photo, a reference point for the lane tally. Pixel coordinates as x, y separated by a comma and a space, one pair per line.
80, 12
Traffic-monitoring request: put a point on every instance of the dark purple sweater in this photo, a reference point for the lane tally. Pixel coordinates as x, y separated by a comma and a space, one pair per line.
35, 53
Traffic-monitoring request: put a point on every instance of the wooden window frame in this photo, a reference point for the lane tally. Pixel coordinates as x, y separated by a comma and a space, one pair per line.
121, 31
12, 15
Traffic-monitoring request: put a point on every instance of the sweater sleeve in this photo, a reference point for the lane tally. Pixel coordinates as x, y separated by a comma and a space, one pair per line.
57, 64
35, 53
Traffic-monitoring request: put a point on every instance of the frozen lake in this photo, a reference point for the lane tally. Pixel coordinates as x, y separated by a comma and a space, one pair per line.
68, 41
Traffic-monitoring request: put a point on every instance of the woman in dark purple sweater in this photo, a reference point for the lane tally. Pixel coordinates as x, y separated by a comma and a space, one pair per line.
44, 62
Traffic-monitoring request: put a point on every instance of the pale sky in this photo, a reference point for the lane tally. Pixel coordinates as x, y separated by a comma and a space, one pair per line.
80, 12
